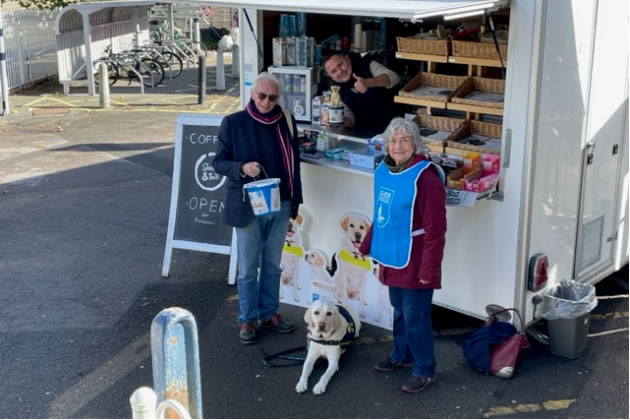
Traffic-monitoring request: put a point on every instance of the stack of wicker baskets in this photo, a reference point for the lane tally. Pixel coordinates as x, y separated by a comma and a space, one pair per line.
475, 127
479, 84
457, 127
450, 84
478, 50
424, 46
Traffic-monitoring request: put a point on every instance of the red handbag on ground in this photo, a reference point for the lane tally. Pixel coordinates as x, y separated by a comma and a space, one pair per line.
504, 356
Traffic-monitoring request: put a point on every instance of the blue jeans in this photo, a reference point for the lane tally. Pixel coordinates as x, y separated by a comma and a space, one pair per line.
413, 330
259, 246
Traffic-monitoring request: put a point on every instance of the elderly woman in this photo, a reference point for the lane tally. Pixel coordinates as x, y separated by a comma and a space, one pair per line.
407, 240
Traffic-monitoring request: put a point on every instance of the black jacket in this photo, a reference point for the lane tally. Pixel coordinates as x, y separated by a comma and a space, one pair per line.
238, 145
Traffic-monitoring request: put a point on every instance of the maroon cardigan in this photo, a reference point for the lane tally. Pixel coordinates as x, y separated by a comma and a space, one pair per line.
426, 250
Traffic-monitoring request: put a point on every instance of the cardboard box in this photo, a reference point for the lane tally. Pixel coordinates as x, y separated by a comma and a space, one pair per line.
366, 161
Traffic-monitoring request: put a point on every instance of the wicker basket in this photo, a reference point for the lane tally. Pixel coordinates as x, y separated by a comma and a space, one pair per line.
478, 50
451, 83
424, 46
456, 126
479, 84
475, 127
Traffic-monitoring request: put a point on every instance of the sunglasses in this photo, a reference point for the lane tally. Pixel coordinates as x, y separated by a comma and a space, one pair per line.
263, 96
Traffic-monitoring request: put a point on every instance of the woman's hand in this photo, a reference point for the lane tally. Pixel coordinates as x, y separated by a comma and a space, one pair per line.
251, 169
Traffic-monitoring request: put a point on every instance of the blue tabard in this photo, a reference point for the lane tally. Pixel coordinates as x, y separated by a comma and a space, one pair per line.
394, 199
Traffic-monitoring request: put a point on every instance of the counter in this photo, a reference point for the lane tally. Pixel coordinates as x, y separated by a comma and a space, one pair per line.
340, 135
335, 216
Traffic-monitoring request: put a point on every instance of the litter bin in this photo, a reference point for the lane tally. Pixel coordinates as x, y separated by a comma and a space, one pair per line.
567, 308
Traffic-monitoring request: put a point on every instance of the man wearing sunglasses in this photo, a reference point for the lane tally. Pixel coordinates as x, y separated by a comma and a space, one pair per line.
259, 142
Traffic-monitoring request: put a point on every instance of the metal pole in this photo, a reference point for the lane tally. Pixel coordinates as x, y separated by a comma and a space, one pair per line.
4, 82
202, 80
103, 86
196, 34
175, 359
171, 21
220, 70
236, 60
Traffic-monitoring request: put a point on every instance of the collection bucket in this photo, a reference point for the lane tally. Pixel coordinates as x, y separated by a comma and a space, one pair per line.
264, 196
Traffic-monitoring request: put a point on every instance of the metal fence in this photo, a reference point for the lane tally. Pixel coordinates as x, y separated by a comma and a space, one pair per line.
30, 46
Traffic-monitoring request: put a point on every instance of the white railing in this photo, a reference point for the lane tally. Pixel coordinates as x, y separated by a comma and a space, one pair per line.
30, 46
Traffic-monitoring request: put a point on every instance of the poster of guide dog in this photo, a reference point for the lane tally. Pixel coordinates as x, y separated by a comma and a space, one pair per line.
347, 277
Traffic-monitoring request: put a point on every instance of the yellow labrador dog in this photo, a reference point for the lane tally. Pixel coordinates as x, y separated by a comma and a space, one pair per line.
331, 328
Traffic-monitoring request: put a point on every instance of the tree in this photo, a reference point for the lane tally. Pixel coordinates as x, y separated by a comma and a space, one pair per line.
43, 4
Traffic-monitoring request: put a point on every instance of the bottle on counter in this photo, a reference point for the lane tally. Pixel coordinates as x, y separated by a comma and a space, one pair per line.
322, 142
336, 107
324, 109
315, 109
287, 80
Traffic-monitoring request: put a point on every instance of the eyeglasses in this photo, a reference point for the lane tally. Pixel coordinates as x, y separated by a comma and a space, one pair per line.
263, 96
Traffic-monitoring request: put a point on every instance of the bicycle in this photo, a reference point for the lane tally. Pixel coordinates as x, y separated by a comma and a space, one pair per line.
133, 64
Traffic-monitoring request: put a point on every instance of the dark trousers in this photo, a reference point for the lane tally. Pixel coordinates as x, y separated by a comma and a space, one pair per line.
413, 330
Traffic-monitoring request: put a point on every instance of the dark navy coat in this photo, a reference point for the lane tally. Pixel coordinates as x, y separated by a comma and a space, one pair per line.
238, 145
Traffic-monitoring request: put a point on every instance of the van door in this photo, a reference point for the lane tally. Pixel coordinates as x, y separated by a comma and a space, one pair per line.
605, 136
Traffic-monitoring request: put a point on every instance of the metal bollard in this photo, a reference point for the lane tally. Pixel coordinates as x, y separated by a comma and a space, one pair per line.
196, 34
220, 70
103, 86
175, 359
144, 405
202, 80
236, 61
4, 81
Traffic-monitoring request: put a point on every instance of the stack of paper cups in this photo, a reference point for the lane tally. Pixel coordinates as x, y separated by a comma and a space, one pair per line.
364, 39
358, 38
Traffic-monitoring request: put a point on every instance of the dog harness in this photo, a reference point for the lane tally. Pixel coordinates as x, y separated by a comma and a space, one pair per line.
394, 198
294, 250
355, 259
346, 340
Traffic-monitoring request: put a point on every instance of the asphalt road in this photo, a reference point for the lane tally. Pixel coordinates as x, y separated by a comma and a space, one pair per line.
84, 200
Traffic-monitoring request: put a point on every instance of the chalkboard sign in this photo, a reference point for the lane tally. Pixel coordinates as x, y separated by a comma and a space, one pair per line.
198, 192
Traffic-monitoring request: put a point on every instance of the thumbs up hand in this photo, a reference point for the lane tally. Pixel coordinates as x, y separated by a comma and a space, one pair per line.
361, 84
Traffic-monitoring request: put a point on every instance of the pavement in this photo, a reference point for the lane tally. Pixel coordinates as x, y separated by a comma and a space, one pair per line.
84, 202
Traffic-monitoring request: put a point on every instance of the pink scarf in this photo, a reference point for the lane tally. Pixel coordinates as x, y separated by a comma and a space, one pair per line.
273, 118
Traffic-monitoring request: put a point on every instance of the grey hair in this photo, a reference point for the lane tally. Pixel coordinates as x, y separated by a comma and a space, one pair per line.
408, 127
266, 76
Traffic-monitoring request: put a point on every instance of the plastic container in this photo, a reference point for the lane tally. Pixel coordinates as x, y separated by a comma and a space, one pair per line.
301, 51
283, 30
300, 18
567, 337
287, 83
567, 308
264, 196
335, 112
322, 142
315, 108
293, 31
